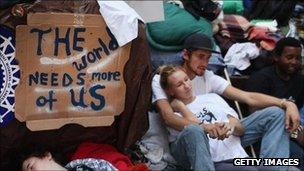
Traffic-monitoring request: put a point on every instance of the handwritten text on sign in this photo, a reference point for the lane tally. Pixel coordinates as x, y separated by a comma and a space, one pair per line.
71, 71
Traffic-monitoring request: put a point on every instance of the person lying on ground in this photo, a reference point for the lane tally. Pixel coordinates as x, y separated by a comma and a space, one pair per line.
36, 157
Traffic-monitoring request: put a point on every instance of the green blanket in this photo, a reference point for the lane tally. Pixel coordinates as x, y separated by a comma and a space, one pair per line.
233, 7
168, 35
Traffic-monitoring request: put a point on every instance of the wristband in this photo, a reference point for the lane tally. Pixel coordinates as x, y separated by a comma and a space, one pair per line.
282, 103
285, 100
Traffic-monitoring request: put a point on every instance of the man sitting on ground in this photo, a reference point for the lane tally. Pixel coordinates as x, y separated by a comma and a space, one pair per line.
196, 53
284, 80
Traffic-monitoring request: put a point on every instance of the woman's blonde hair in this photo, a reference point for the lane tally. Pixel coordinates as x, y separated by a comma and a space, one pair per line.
165, 71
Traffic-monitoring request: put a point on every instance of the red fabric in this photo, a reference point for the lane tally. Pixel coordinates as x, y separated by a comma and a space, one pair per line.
267, 39
105, 152
139, 167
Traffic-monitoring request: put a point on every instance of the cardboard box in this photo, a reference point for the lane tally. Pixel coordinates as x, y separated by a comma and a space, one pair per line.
71, 71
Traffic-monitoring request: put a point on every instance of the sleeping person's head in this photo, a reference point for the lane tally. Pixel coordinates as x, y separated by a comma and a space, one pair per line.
176, 83
37, 157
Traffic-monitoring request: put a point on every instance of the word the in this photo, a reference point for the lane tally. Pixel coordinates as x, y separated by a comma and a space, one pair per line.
76, 40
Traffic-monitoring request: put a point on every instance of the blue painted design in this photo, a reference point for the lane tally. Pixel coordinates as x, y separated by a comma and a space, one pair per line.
9, 75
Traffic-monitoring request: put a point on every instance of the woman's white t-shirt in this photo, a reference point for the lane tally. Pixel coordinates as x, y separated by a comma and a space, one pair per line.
211, 108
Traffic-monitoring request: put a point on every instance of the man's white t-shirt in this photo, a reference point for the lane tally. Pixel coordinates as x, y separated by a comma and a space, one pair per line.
211, 108
208, 83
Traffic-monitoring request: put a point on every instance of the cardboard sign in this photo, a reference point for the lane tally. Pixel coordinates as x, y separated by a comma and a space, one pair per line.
71, 71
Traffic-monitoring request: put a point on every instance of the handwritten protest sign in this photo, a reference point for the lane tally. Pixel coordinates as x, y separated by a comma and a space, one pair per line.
71, 71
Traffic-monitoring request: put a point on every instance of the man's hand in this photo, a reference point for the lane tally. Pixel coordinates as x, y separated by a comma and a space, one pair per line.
216, 130
236, 128
298, 135
292, 120
230, 127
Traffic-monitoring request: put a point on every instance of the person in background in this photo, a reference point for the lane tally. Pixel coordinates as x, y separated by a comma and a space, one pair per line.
284, 80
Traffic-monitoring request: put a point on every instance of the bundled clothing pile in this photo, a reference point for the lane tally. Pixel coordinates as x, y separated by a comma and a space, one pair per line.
93, 152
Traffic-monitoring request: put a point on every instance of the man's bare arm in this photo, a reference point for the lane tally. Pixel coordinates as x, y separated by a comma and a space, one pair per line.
172, 120
181, 108
258, 100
